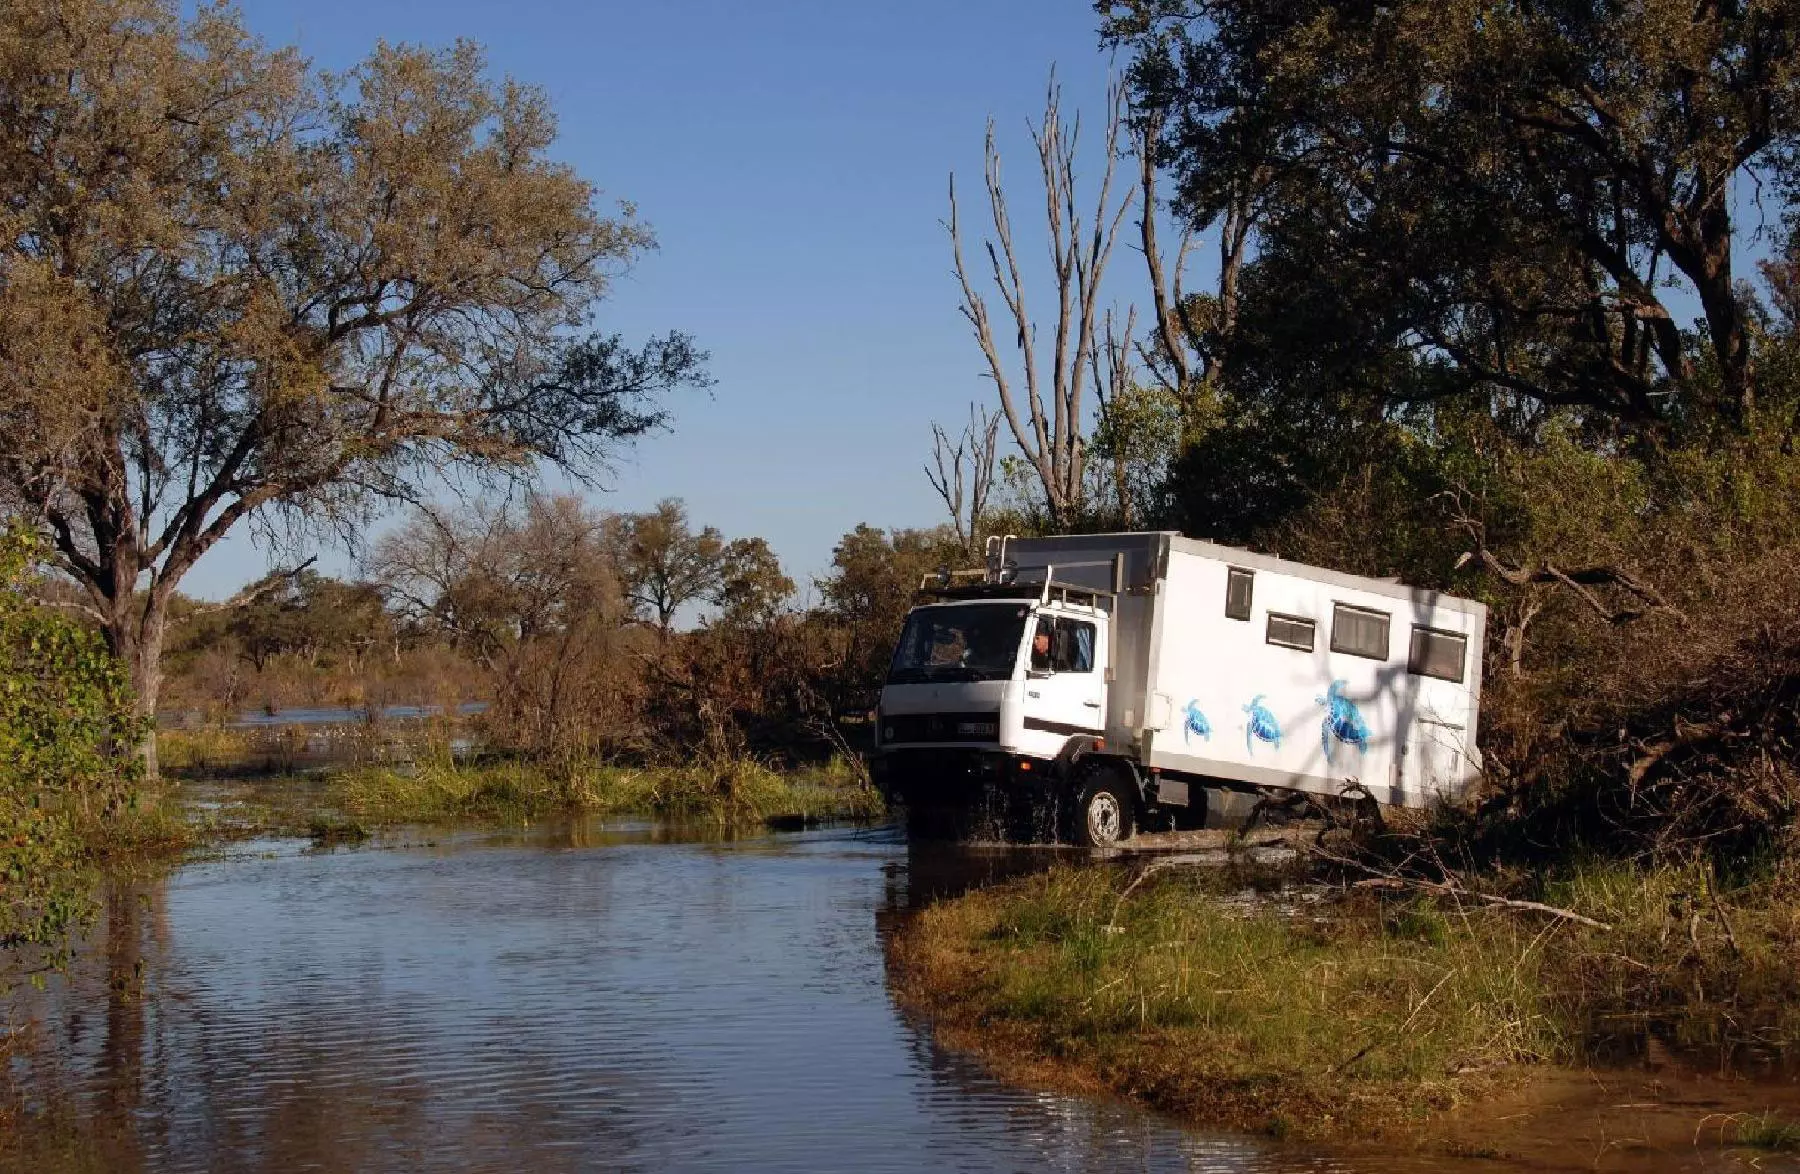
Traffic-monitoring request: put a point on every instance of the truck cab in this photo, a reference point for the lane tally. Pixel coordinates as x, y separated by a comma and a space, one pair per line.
998, 684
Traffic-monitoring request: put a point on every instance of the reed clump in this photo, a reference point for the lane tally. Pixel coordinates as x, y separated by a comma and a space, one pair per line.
728, 790
1262, 1002
1766, 1131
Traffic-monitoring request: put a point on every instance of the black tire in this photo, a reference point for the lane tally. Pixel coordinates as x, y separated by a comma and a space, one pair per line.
1104, 808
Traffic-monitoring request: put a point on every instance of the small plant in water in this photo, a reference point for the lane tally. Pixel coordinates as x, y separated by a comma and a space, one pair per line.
1766, 1131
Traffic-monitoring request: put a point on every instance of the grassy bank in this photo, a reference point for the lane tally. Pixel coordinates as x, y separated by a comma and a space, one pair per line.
727, 791
1238, 1000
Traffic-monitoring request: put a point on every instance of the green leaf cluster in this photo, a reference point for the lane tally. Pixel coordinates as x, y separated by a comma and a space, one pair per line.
67, 761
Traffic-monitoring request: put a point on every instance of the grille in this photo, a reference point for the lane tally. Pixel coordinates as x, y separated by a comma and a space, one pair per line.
898, 728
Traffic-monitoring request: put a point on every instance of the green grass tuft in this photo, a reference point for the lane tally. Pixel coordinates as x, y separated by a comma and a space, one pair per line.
1766, 1131
734, 791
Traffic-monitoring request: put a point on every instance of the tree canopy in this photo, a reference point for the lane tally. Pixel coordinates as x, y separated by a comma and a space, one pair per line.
233, 286
1507, 199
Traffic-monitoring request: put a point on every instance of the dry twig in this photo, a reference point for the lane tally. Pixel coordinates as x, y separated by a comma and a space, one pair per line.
1387, 880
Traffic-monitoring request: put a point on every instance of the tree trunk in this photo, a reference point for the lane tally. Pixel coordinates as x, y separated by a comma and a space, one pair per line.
135, 630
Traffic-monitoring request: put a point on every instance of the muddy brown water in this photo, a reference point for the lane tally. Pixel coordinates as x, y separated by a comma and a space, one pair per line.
595, 997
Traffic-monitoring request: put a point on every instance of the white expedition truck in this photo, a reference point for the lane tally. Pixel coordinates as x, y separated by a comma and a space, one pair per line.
1122, 674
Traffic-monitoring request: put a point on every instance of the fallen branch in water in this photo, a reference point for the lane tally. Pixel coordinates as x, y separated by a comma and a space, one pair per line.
1387, 880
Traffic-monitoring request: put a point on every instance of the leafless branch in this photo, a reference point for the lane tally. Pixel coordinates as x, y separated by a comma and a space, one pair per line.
1047, 423
962, 472
84, 609
1112, 380
256, 591
1579, 580
1378, 879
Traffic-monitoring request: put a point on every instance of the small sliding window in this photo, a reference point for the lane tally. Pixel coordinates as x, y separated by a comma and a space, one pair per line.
1239, 588
1436, 653
1291, 631
1359, 631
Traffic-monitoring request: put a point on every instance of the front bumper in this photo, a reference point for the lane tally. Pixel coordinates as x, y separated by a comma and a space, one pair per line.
927, 774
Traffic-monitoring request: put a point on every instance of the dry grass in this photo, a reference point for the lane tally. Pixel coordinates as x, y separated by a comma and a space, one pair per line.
1298, 1011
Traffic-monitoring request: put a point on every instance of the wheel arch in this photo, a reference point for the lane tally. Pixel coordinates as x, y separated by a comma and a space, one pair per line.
1084, 751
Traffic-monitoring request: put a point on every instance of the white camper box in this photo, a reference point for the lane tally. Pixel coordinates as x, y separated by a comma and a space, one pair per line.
1195, 664
1249, 693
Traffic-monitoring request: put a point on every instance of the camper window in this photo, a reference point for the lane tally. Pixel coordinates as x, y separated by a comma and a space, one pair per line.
1359, 631
1239, 585
1291, 632
1438, 654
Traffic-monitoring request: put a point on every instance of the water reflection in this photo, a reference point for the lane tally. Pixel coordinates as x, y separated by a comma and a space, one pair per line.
580, 996
575, 997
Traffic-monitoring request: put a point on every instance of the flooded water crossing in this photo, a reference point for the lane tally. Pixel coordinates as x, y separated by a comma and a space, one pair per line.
566, 998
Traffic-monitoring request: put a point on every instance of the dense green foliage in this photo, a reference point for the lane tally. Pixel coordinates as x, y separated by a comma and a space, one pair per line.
65, 715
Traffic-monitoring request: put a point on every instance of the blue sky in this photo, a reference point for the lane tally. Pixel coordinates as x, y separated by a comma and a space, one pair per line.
792, 157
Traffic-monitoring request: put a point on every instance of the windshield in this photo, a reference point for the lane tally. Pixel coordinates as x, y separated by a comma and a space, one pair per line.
969, 642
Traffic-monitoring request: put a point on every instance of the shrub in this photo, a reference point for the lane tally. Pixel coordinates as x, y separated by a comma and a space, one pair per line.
68, 762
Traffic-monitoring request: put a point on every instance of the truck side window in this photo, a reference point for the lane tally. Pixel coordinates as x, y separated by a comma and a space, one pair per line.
1062, 646
1043, 641
1359, 631
1436, 653
1291, 631
1239, 587
1074, 647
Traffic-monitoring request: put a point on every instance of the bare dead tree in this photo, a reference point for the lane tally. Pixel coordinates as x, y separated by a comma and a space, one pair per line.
962, 472
1050, 435
1113, 380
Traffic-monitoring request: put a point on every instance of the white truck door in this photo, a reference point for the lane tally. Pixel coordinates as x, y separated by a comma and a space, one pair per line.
1065, 683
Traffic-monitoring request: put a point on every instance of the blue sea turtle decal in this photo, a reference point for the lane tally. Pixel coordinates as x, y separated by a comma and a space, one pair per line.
1262, 724
1343, 721
1196, 724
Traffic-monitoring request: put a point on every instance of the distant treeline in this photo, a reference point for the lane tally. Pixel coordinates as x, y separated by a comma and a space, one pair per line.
586, 633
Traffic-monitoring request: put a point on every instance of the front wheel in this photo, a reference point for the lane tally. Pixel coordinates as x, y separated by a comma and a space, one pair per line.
1102, 811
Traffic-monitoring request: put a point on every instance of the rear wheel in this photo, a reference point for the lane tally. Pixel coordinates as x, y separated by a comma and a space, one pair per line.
1103, 809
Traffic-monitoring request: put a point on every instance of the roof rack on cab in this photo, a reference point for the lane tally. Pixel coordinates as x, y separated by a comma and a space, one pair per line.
1008, 581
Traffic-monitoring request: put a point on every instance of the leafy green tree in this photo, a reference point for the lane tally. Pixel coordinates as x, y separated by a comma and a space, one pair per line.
1508, 192
233, 287
874, 579
1138, 438
752, 588
308, 615
664, 564
65, 715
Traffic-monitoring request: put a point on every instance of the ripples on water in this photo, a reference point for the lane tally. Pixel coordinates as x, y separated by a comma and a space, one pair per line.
582, 1000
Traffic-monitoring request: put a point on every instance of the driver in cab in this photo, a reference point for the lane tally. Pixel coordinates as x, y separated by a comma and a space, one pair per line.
1040, 648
